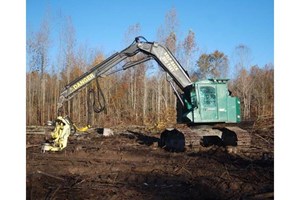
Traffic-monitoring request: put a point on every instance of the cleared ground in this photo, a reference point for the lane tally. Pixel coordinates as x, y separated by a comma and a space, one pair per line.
129, 165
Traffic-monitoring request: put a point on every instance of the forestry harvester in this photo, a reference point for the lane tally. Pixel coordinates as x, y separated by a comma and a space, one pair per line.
205, 106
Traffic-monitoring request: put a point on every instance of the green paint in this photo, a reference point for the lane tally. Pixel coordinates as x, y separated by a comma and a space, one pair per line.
208, 101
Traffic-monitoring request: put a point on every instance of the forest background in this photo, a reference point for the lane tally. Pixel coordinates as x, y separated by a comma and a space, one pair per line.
14, 98
140, 95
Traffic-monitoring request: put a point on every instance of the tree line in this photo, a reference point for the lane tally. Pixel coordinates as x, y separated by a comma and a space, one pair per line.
139, 95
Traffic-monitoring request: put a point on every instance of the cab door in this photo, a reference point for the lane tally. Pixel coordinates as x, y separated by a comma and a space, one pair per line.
208, 103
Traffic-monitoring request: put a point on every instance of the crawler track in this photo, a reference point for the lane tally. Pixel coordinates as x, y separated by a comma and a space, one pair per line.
235, 139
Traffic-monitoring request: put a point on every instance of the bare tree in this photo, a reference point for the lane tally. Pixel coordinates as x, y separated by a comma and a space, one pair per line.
68, 42
214, 65
189, 47
171, 22
242, 58
244, 83
38, 45
167, 35
137, 74
262, 91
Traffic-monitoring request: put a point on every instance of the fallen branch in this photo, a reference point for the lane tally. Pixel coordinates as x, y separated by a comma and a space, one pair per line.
77, 183
263, 195
50, 175
262, 138
36, 132
55, 191
182, 166
227, 172
187, 171
32, 145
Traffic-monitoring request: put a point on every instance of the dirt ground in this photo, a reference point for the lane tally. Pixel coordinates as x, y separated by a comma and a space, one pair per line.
130, 165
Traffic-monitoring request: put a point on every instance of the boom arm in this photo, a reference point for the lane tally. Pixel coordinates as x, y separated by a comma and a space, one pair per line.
151, 49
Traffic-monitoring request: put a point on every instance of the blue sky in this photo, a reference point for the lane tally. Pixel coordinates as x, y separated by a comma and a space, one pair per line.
218, 25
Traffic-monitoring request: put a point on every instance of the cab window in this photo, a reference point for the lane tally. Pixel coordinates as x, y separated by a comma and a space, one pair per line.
208, 96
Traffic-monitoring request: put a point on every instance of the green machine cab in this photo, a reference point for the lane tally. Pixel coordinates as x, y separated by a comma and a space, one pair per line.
209, 101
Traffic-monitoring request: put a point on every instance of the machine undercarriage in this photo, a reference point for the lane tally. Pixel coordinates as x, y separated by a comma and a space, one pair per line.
233, 138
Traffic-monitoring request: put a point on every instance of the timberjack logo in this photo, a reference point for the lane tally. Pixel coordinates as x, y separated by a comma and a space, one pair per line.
169, 63
82, 82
